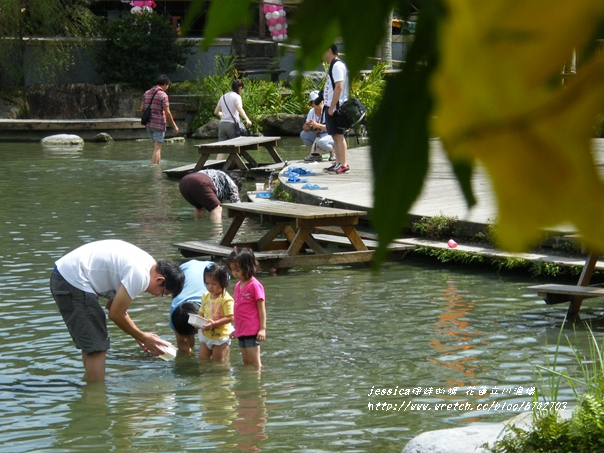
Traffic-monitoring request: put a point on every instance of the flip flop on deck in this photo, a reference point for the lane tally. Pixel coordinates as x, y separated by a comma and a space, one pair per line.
301, 171
294, 178
314, 187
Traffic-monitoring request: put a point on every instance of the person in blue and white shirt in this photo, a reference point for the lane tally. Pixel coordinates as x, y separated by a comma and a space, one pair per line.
314, 132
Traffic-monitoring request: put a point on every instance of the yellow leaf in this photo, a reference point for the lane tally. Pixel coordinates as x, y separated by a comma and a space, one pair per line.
499, 100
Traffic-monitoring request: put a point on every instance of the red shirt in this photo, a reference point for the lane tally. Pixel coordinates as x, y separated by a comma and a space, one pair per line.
158, 116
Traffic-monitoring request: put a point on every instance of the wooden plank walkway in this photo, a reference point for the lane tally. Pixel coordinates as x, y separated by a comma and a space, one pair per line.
355, 189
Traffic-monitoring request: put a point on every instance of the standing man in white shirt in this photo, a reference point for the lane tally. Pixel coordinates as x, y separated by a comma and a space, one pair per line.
335, 93
119, 272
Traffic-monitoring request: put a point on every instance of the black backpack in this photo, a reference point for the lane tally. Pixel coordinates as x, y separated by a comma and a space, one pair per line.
352, 110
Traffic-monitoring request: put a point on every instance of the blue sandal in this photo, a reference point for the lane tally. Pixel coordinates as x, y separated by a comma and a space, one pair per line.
294, 178
314, 187
300, 171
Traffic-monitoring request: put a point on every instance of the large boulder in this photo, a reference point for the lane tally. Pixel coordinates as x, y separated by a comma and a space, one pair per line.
80, 101
284, 124
456, 440
62, 139
471, 438
208, 130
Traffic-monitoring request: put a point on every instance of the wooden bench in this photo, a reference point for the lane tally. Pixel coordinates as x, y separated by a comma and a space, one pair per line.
192, 249
277, 259
369, 243
557, 294
575, 294
179, 172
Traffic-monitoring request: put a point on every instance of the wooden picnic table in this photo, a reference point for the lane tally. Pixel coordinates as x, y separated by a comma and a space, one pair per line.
575, 294
237, 148
296, 223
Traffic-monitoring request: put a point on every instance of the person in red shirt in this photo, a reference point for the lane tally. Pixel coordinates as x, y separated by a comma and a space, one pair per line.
160, 111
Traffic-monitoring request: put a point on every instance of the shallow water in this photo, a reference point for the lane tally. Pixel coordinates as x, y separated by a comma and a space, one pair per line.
333, 332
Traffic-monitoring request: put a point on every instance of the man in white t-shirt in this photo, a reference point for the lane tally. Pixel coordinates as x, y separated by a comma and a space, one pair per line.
335, 94
119, 272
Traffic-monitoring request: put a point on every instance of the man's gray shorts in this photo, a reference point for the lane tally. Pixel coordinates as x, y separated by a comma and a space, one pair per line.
82, 314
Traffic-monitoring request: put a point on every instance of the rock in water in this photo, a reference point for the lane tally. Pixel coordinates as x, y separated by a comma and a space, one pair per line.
63, 139
103, 137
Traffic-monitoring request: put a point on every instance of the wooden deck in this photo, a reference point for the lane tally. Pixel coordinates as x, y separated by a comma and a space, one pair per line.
355, 189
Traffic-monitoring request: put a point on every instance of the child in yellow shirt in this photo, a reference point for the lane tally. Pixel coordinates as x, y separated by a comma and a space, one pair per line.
217, 307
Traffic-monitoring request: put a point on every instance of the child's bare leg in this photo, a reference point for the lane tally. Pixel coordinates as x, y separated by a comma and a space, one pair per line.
220, 353
204, 352
251, 356
185, 343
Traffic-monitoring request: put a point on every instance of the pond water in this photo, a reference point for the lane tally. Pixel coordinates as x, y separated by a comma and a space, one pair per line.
445, 334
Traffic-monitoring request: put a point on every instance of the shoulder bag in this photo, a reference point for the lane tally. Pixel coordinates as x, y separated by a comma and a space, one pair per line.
147, 113
240, 129
351, 110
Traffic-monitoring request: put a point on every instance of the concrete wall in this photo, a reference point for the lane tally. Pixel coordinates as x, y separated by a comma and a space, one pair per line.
200, 63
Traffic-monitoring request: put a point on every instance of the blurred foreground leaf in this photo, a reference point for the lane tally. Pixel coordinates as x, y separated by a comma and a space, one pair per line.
499, 99
399, 135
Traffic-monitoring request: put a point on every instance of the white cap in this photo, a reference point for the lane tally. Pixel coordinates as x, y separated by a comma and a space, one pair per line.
312, 96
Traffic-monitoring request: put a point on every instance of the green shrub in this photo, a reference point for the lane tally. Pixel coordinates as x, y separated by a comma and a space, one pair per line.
138, 48
437, 227
369, 89
262, 97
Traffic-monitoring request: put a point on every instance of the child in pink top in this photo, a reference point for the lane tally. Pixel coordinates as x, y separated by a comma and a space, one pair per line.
250, 313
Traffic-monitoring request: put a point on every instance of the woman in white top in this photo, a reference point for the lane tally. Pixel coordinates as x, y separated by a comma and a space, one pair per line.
229, 107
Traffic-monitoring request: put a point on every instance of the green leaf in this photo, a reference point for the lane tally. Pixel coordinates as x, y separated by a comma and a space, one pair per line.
399, 135
359, 23
496, 104
225, 16
463, 171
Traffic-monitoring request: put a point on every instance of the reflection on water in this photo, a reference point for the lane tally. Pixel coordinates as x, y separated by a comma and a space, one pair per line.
458, 349
333, 332
61, 150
